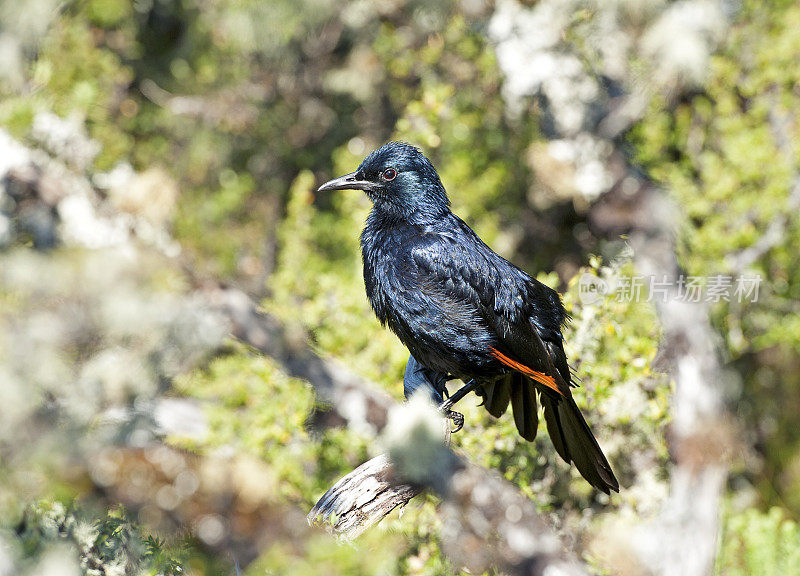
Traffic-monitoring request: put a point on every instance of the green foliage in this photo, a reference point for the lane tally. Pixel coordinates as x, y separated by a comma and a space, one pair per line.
730, 157
374, 555
109, 13
249, 104
73, 77
255, 408
111, 545
764, 543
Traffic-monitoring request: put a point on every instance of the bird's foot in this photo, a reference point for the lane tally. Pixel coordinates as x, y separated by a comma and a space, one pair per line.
445, 407
457, 418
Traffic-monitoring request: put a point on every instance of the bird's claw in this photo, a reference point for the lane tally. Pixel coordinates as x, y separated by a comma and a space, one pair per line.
457, 418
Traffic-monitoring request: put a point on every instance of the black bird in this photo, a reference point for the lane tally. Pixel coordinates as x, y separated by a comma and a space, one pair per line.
463, 311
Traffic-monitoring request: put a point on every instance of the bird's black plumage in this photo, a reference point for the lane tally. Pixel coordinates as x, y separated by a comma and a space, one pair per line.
462, 310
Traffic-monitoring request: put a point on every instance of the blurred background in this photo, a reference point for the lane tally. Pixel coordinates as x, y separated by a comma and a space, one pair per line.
154, 153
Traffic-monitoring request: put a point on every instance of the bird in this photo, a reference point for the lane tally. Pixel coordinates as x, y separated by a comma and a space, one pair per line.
463, 311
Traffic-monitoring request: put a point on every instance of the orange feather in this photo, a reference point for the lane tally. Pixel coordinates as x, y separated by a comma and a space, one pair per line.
540, 377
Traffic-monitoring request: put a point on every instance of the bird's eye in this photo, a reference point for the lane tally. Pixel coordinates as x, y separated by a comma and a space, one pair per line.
389, 174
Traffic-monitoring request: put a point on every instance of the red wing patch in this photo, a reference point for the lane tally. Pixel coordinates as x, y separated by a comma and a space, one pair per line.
540, 377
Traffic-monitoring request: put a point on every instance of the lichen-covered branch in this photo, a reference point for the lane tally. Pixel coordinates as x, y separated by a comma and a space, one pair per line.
701, 435
361, 406
362, 498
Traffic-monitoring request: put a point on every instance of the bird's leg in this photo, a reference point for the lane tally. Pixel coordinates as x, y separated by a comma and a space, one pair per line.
459, 394
457, 417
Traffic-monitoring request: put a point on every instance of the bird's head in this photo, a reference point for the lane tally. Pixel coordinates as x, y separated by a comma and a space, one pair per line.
399, 180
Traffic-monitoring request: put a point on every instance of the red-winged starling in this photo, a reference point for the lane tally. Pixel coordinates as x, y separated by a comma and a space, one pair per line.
462, 310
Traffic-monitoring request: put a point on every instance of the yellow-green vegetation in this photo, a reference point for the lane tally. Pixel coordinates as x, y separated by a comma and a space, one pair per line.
254, 408
249, 104
731, 159
756, 542
110, 543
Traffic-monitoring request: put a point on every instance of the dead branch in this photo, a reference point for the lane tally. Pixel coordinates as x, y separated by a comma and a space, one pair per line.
361, 499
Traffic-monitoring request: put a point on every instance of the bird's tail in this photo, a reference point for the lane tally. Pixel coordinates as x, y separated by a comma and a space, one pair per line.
575, 442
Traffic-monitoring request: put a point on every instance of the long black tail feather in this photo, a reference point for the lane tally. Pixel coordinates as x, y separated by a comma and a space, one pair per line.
575, 442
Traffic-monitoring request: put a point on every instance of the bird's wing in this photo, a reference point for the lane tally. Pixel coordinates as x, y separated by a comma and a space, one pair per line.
568, 430
524, 318
461, 274
464, 280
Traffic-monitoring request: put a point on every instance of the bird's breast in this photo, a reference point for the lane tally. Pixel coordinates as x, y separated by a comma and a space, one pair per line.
379, 273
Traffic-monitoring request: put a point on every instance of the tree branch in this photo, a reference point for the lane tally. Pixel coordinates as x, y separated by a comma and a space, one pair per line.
361, 499
358, 403
701, 433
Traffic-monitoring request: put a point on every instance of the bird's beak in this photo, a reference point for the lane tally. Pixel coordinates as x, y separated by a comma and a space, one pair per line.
346, 182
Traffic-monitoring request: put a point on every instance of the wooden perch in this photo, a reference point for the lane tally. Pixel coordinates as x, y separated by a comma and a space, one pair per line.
361, 499
369, 493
